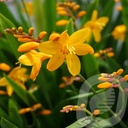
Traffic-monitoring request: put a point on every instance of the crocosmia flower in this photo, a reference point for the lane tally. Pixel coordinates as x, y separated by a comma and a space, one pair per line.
96, 25
67, 47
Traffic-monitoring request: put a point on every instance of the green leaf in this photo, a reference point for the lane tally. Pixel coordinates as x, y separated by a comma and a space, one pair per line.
70, 26
19, 90
6, 23
112, 64
81, 122
6, 124
3, 114
14, 114
99, 122
89, 65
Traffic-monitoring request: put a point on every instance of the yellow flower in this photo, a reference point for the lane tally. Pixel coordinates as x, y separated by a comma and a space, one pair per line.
67, 48
96, 25
119, 32
33, 58
18, 75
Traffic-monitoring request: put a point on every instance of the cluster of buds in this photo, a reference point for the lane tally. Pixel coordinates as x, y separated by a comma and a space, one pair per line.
26, 37
34, 108
101, 53
68, 81
82, 107
30, 42
69, 9
111, 80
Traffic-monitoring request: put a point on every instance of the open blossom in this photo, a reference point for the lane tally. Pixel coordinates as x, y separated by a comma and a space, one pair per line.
119, 32
96, 25
18, 75
34, 59
67, 47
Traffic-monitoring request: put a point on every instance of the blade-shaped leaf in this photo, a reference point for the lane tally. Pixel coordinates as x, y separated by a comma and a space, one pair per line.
6, 124
6, 23
81, 122
70, 27
14, 115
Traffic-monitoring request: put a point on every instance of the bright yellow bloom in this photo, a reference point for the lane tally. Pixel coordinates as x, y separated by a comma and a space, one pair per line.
96, 25
18, 75
119, 32
33, 58
67, 48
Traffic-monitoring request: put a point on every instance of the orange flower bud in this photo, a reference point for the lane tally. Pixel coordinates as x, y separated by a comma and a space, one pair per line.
102, 79
62, 22
76, 7
119, 8
28, 46
96, 55
20, 29
18, 36
82, 105
63, 13
110, 54
3, 92
96, 112
45, 112
104, 85
25, 110
36, 106
60, 8
42, 34
80, 14
120, 71
24, 39
4, 67
30, 31
54, 37
126, 77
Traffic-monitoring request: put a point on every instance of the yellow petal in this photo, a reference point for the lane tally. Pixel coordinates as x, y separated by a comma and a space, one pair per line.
97, 36
55, 62
49, 47
83, 49
63, 37
3, 81
28, 46
94, 15
104, 85
9, 90
103, 20
73, 64
35, 69
80, 36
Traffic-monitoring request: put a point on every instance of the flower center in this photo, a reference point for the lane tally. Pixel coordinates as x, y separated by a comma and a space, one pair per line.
67, 49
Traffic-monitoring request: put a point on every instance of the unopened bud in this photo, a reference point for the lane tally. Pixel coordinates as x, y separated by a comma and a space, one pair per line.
20, 29
30, 31
81, 14
42, 35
